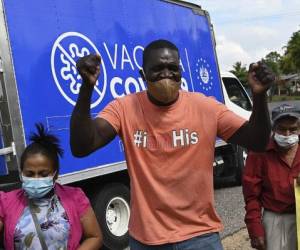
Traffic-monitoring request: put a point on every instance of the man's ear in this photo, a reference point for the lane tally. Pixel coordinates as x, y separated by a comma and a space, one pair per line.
142, 73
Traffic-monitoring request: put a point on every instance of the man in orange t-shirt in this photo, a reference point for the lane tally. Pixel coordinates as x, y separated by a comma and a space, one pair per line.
169, 138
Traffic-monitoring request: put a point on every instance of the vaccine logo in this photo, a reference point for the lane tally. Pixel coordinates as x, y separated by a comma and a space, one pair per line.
67, 49
204, 74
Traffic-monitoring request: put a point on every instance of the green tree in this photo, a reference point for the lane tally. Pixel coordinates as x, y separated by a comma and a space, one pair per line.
290, 62
287, 64
273, 60
240, 71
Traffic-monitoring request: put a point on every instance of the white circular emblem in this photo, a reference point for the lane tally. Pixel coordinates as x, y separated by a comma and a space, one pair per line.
204, 74
67, 49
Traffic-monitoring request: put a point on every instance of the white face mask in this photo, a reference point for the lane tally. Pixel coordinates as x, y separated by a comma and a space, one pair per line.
286, 141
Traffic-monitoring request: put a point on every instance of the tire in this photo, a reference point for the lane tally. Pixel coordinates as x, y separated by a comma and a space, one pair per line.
111, 206
241, 160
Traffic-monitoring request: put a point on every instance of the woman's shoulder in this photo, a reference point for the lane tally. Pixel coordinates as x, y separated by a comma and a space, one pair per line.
70, 195
68, 191
9, 200
12, 194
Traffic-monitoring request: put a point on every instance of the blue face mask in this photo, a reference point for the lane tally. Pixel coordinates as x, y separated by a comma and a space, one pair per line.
37, 187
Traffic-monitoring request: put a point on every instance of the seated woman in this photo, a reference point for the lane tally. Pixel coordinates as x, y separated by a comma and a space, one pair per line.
44, 214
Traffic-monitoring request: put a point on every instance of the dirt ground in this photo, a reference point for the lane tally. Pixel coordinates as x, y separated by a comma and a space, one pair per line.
238, 241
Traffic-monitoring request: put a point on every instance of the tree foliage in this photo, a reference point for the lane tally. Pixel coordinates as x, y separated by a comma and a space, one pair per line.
273, 60
240, 71
290, 62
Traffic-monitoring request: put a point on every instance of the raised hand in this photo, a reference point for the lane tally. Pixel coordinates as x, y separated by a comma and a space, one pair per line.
258, 243
260, 77
89, 68
298, 179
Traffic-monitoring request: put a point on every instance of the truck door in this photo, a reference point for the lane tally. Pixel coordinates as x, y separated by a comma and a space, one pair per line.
236, 97
11, 129
9, 177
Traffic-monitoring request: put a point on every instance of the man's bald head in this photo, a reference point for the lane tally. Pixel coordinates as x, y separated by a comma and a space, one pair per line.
157, 44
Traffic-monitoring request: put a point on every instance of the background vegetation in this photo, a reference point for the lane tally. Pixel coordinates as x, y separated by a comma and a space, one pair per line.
283, 66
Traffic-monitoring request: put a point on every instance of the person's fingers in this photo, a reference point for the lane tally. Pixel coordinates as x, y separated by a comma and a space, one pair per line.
270, 77
298, 180
98, 69
84, 72
93, 69
252, 75
262, 73
266, 79
252, 67
95, 59
258, 243
98, 58
260, 70
261, 243
89, 62
254, 243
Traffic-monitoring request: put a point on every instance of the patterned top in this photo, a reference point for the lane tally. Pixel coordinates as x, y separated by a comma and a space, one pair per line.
53, 221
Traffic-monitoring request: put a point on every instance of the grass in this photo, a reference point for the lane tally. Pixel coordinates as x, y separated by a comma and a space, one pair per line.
277, 98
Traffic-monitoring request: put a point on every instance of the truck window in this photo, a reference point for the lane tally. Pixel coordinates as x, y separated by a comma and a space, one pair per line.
236, 93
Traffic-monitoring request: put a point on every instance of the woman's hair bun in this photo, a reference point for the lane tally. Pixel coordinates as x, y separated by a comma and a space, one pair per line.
46, 139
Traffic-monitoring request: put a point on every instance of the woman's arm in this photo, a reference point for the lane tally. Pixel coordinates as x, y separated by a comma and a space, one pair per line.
1, 234
91, 231
1, 211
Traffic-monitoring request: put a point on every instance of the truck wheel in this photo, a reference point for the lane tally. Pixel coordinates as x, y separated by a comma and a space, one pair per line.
241, 160
112, 210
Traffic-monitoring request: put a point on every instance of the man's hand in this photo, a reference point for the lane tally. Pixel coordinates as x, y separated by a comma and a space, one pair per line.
258, 243
260, 77
298, 179
89, 68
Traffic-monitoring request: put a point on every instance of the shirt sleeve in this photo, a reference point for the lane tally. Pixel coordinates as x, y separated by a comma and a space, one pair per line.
112, 113
228, 121
252, 187
82, 202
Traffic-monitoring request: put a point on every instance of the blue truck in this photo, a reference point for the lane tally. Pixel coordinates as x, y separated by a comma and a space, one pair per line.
40, 43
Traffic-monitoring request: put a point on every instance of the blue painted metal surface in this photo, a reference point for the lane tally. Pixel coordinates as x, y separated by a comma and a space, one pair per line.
47, 37
3, 166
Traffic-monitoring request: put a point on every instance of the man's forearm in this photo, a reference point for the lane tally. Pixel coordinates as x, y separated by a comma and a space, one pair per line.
84, 100
253, 213
81, 127
259, 123
254, 134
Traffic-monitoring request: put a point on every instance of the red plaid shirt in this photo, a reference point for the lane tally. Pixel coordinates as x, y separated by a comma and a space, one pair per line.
268, 182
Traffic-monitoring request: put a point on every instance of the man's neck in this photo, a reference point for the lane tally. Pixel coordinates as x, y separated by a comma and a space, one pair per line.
288, 150
288, 155
159, 103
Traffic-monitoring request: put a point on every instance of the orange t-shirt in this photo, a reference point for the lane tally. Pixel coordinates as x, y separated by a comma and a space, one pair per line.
170, 153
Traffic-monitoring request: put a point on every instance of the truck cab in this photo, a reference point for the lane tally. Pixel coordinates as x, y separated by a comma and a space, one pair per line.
235, 96
230, 159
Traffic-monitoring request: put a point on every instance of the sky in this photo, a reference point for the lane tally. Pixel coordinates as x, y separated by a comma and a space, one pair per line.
247, 30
